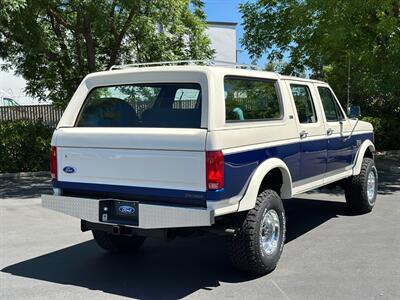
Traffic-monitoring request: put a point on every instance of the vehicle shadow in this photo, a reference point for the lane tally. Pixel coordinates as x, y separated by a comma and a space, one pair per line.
23, 188
163, 270
389, 176
304, 215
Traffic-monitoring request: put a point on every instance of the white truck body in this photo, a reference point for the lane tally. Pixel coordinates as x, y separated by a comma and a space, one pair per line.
164, 169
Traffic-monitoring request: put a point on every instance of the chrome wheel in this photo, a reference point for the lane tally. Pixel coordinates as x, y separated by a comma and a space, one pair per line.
269, 232
371, 186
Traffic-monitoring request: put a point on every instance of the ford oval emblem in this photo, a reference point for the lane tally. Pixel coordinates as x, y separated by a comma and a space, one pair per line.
69, 170
125, 209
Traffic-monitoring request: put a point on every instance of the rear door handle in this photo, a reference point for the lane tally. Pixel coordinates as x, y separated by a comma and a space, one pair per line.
329, 131
303, 134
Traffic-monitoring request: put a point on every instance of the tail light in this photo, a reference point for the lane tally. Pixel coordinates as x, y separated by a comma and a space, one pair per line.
214, 170
53, 162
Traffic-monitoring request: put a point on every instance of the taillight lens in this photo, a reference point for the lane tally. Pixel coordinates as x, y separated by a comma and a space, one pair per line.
214, 170
53, 162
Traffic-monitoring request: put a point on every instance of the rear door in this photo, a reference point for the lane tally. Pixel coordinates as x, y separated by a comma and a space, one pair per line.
337, 130
311, 131
139, 141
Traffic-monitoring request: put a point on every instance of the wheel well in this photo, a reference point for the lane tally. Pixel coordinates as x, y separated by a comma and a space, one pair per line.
273, 180
369, 153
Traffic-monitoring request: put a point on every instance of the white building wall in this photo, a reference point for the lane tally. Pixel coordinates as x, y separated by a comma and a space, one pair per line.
223, 40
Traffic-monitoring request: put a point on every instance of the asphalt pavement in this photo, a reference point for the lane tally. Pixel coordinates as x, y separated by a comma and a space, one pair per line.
329, 253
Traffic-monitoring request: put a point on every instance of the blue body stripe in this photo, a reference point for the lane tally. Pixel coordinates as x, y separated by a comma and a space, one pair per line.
133, 192
304, 160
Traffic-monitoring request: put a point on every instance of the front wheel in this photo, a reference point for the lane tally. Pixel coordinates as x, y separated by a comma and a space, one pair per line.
361, 190
258, 243
117, 243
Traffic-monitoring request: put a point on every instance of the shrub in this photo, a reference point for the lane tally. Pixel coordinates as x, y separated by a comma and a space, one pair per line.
24, 146
386, 132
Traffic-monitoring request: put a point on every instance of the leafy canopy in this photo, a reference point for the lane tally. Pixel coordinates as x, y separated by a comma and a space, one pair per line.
53, 44
325, 38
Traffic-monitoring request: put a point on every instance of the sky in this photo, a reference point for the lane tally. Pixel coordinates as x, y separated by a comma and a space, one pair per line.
228, 11
13, 86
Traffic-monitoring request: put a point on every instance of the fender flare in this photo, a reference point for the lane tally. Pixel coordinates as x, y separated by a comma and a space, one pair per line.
249, 199
367, 144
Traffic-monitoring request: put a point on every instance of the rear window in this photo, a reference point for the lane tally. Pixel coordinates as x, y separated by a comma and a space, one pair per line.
171, 105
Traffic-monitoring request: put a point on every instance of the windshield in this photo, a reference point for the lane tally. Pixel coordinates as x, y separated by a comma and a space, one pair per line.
172, 105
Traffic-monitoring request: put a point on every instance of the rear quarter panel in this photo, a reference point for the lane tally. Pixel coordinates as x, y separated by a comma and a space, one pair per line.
246, 145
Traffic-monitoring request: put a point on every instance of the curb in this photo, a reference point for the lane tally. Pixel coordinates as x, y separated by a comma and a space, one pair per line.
24, 174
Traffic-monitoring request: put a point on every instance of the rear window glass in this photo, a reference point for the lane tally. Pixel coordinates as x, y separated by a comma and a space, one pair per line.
171, 105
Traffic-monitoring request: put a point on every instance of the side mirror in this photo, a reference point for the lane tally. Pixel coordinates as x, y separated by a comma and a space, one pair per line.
354, 112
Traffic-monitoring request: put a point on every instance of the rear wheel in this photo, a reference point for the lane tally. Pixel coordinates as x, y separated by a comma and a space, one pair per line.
117, 243
361, 190
258, 243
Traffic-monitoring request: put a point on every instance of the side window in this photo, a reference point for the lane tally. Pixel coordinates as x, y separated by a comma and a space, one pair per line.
304, 103
251, 99
333, 113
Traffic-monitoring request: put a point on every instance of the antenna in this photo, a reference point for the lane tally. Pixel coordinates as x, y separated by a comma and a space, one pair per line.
348, 82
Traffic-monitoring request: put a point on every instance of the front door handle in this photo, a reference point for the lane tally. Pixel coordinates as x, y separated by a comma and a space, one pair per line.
303, 134
329, 131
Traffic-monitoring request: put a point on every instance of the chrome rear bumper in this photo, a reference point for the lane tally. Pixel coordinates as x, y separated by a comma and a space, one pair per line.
150, 216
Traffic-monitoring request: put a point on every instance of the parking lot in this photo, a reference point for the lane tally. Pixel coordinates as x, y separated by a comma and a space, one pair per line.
329, 254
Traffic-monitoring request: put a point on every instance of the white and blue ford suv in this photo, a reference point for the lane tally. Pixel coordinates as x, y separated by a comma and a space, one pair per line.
167, 150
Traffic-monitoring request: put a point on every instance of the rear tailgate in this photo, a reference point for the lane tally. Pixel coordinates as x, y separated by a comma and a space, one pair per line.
157, 164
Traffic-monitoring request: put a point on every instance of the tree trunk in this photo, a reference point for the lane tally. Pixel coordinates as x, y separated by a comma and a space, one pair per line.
78, 50
90, 54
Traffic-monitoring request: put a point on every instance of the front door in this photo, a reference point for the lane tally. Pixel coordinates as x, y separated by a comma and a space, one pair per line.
339, 146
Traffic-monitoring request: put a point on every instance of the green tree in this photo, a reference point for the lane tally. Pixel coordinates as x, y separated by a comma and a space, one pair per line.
325, 38
53, 44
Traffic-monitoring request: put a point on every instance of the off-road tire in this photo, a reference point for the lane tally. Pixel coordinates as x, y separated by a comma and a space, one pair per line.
117, 243
245, 248
356, 188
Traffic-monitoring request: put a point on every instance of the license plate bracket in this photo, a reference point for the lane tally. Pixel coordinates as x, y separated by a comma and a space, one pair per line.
119, 212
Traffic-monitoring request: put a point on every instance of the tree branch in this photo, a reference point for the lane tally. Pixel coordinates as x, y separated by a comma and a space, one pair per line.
52, 13
78, 50
112, 17
118, 40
